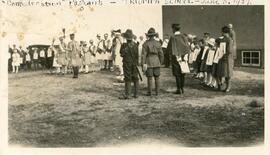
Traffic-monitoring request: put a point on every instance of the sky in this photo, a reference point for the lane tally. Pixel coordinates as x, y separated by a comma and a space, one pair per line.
35, 25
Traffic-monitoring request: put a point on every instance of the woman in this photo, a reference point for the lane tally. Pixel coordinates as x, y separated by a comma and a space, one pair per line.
226, 62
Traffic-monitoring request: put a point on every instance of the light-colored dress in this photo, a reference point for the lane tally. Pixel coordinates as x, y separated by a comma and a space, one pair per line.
100, 50
15, 59
87, 56
62, 54
74, 48
92, 50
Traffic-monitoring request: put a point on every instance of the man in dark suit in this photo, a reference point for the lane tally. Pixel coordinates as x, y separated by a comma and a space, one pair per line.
129, 52
178, 48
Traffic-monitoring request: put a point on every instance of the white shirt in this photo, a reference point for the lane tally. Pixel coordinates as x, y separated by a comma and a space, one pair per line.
165, 43
42, 54
49, 53
35, 56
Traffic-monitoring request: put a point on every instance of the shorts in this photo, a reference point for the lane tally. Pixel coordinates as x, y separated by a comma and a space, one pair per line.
150, 72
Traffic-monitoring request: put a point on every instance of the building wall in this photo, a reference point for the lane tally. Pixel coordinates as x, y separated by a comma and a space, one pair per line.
248, 23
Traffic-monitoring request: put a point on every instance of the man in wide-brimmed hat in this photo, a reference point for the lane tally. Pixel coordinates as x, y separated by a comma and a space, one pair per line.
152, 58
178, 48
74, 48
129, 52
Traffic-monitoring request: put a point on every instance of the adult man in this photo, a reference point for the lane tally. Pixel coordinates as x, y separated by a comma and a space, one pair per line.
129, 52
74, 48
233, 36
152, 58
179, 49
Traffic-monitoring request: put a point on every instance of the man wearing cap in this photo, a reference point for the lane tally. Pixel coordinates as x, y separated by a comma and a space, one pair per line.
129, 52
233, 36
74, 48
152, 58
179, 49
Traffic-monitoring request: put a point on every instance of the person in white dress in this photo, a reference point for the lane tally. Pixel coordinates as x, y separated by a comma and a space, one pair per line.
117, 43
107, 54
15, 61
100, 52
35, 59
93, 61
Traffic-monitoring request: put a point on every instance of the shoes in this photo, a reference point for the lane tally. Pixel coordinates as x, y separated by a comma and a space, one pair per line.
177, 92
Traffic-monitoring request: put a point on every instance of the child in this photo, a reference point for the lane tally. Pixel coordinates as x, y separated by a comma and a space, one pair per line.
93, 60
209, 62
15, 61
86, 57
28, 59
203, 68
216, 63
35, 59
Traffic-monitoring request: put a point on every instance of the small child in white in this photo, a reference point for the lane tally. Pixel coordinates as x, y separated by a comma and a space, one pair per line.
15, 61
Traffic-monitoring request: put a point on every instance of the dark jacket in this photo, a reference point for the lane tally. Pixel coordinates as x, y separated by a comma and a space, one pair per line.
130, 53
178, 45
152, 53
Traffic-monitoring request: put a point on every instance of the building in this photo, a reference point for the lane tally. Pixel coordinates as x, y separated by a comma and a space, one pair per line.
248, 23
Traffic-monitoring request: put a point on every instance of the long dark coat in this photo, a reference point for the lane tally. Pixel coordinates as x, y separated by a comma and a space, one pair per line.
130, 53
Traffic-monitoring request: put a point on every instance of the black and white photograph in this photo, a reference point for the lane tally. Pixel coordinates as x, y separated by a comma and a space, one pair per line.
184, 76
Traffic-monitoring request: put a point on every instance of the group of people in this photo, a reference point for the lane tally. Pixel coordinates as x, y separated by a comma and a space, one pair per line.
211, 59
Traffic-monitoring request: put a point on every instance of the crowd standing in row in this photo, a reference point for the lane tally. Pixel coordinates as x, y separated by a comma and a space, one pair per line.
211, 59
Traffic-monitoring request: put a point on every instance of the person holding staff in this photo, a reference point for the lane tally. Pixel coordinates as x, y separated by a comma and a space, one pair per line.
129, 53
179, 50
152, 58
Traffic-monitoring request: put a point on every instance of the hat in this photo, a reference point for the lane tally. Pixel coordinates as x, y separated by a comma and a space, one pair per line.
176, 26
98, 35
128, 34
206, 33
230, 26
225, 29
117, 31
62, 37
106, 35
72, 34
211, 41
91, 41
151, 32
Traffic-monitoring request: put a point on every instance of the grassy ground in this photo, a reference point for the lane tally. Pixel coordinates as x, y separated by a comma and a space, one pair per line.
58, 111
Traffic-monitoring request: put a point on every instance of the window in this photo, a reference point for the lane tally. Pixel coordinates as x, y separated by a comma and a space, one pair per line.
251, 58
